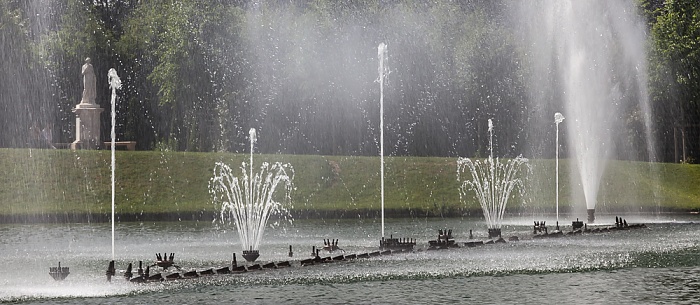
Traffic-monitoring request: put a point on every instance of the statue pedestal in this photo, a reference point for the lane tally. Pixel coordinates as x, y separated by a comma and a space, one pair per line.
87, 126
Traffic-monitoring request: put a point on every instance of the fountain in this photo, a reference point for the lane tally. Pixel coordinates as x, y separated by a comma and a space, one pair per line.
668, 252
114, 84
381, 52
59, 273
558, 118
598, 60
492, 183
249, 200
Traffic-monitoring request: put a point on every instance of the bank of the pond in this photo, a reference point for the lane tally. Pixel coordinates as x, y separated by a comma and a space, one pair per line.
71, 186
295, 215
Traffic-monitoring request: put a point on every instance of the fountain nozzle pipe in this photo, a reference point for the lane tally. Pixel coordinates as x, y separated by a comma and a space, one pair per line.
111, 271
591, 215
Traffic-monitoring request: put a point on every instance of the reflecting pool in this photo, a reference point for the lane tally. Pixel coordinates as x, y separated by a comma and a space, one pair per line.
658, 263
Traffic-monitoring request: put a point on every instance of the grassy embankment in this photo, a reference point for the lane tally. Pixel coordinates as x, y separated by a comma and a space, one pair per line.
63, 182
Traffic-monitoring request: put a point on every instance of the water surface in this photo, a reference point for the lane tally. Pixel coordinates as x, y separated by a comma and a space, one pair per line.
658, 264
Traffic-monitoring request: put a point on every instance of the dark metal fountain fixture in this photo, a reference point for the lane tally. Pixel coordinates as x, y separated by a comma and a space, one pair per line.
620, 223
110, 271
164, 261
59, 273
140, 271
494, 233
591, 215
392, 243
540, 227
128, 274
443, 241
331, 245
251, 255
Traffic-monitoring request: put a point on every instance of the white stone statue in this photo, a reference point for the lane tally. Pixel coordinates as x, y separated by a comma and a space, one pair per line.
89, 83
87, 113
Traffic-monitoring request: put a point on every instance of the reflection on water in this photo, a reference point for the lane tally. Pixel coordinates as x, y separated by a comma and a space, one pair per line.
662, 261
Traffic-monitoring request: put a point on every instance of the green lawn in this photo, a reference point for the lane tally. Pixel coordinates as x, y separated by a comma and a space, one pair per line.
63, 181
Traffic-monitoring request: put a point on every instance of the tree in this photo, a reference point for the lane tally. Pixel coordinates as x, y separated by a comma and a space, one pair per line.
19, 104
675, 68
168, 42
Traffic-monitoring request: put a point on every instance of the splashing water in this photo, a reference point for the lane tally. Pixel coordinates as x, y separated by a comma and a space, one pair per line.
595, 54
250, 200
491, 181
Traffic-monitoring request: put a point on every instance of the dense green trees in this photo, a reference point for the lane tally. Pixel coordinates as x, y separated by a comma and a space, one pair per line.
13, 93
198, 74
675, 76
165, 44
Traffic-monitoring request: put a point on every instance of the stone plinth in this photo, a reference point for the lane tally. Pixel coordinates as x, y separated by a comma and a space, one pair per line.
87, 126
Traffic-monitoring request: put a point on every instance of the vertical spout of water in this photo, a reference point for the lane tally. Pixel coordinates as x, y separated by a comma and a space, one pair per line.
381, 50
594, 53
253, 139
114, 84
492, 173
558, 118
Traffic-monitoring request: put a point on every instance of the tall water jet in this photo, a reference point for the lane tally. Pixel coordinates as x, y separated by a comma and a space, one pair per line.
558, 118
590, 56
381, 50
114, 84
250, 200
492, 183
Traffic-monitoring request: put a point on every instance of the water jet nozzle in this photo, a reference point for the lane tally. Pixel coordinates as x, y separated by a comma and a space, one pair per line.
111, 271
591, 215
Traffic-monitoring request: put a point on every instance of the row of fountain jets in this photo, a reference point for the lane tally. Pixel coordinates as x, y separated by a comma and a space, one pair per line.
247, 200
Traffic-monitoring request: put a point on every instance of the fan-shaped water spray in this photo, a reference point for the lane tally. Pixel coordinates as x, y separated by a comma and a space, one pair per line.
249, 200
492, 182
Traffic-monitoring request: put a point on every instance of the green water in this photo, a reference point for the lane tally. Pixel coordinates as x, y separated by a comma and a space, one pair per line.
658, 264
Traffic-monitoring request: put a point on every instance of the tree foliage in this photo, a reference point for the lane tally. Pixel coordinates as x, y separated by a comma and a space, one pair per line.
675, 70
198, 74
